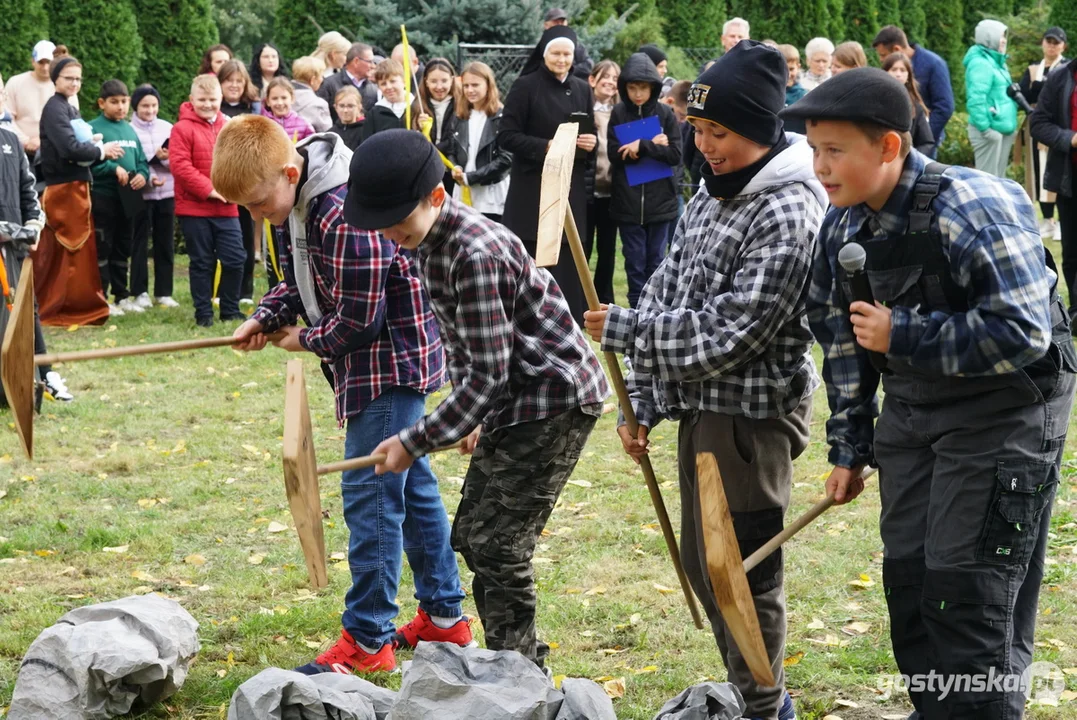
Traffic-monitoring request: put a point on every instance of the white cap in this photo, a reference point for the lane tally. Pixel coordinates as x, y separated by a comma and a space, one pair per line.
43, 51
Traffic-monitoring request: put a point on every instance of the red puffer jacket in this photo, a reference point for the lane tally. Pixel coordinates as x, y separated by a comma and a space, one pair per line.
190, 153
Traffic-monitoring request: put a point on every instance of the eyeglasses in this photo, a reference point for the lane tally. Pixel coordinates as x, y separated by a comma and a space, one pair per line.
70, 79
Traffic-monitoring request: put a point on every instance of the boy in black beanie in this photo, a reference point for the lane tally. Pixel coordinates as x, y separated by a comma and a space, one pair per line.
971, 343
720, 340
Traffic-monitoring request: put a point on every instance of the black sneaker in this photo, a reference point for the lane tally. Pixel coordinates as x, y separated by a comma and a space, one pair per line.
204, 322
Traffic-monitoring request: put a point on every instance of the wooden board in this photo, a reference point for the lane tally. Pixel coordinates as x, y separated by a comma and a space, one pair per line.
553, 196
17, 358
301, 474
726, 570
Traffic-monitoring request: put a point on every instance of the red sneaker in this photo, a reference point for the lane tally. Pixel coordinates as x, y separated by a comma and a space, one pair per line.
346, 658
423, 629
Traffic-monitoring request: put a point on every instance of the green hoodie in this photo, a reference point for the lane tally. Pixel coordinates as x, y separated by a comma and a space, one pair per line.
133, 160
986, 80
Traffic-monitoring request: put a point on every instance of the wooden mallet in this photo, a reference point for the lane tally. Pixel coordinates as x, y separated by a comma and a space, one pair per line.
555, 218
301, 473
729, 574
17, 358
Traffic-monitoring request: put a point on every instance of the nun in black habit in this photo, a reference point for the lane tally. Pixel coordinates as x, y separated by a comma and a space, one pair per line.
543, 97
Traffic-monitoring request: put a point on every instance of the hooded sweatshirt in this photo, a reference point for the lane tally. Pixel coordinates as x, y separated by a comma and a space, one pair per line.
721, 326
986, 80
654, 201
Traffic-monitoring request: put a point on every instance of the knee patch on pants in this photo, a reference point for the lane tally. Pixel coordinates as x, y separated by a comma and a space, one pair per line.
969, 613
753, 530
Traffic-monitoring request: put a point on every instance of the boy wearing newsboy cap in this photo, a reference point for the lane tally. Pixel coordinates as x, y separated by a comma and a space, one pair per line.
972, 345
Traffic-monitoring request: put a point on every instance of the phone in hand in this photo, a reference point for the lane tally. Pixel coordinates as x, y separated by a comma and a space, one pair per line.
585, 120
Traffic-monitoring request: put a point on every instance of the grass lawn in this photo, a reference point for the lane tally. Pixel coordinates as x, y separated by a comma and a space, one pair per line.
177, 459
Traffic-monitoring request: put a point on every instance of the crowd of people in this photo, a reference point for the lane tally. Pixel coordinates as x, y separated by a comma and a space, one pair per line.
397, 203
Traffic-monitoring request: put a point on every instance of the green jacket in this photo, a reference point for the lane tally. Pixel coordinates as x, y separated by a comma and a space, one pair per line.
986, 80
133, 160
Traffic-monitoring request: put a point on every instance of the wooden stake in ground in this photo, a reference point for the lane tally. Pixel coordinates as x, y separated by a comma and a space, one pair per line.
301, 473
17, 357
555, 217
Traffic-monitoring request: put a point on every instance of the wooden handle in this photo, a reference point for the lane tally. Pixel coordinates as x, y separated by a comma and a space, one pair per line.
796, 526
368, 461
613, 367
166, 347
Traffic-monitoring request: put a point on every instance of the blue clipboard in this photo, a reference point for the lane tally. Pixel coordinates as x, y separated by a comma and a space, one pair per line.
646, 169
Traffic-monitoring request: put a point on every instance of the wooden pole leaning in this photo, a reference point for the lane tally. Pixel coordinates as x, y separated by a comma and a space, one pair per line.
555, 218
301, 473
17, 358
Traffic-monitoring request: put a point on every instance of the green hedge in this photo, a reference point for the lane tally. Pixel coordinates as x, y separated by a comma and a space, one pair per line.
22, 24
178, 31
956, 148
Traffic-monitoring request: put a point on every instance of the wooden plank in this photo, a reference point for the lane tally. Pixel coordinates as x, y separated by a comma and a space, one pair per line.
17, 358
301, 475
553, 194
726, 570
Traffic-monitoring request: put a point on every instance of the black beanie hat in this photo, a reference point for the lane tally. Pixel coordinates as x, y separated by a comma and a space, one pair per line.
389, 175
654, 53
58, 66
743, 91
142, 91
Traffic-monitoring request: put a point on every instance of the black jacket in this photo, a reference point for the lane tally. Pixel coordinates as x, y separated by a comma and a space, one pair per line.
922, 139
493, 162
60, 151
693, 160
18, 199
581, 62
1031, 90
351, 134
654, 201
333, 84
381, 118
1050, 125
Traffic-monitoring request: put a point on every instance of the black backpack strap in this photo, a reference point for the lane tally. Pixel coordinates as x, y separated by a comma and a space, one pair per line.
921, 214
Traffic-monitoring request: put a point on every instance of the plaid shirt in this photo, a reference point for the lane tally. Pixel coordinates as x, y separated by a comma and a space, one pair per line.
989, 234
720, 326
515, 354
377, 330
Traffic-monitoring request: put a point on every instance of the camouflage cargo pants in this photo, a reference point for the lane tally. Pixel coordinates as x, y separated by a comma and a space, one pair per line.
515, 477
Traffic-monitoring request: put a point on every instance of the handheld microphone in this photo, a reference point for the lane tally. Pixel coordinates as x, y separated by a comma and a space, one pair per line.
852, 257
1014, 91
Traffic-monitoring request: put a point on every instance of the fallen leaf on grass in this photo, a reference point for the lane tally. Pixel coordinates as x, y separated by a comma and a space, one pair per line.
856, 628
553, 645
338, 556
3, 494
646, 670
143, 576
597, 590
831, 717
46, 553
663, 589
195, 559
147, 502
580, 483
830, 641
793, 659
256, 559
635, 619
252, 450
615, 688
312, 644
117, 549
846, 704
862, 582
276, 527
557, 679
816, 624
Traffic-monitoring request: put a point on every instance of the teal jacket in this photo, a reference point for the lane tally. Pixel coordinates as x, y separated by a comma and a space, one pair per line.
133, 160
986, 80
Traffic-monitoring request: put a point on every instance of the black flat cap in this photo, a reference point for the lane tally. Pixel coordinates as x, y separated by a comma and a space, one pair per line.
860, 95
389, 174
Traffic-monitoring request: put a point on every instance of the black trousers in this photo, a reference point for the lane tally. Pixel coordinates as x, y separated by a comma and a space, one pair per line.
158, 222
1067, 220
601, 224
113, 233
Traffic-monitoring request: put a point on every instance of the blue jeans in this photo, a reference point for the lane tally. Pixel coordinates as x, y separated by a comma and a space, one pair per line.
389, 515
644, 248
210, 239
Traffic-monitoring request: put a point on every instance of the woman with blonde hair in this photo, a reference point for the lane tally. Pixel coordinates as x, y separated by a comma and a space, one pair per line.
848, 56
332, 51
306, 80
479, 160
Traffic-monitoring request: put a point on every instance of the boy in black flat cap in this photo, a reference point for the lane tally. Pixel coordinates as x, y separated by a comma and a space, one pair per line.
972, 345
719, 339
521, 370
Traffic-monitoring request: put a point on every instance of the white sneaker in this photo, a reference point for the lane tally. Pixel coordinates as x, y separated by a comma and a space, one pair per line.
216, 301
1046, 227
246, 301
114, 310
1058, 230
167, 302
143, 301
129, 305
55, 386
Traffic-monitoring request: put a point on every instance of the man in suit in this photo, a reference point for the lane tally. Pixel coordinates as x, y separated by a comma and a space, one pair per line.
359, 60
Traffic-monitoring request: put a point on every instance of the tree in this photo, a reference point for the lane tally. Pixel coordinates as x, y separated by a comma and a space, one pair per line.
945, 36
983, 10
694, 24
835, 27
242, 24
299, 24
103, 35
861, 21
913, 20
889, 13
1064, 14
787, 22
179, 32
22, 24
